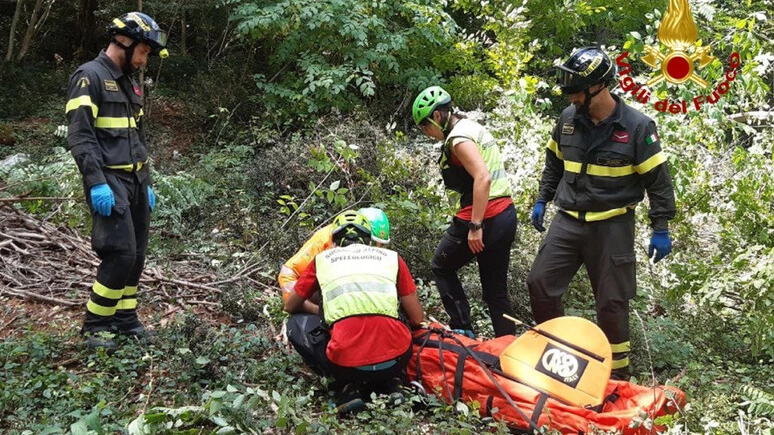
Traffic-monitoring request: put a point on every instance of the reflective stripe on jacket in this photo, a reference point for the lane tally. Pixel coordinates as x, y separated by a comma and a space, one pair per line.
457, 179
104, 111
358, 280
597, 172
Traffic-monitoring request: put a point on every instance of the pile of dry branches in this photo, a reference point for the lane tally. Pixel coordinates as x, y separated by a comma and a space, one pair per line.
45, 262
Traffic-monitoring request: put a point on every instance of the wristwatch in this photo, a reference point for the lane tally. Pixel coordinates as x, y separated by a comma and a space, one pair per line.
475, 226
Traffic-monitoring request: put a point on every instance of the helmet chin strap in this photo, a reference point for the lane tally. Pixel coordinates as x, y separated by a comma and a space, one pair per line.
128, 54
446, 129
587, 101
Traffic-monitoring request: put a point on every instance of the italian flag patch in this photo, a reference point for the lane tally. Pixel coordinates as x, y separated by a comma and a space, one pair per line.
653, 138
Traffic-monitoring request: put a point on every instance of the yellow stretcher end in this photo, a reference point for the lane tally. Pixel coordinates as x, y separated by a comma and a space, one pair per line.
567, 358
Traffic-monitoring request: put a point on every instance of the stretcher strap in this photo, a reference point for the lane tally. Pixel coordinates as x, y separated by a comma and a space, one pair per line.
541, 402
465, 351
459, 373
489, 403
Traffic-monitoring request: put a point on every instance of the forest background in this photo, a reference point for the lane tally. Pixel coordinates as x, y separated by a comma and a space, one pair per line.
270, 117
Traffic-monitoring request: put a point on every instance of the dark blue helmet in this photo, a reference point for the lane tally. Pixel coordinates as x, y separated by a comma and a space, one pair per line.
141, 28
585, 68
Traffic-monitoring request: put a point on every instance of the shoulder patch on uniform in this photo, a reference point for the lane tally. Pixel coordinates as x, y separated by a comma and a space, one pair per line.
568, 128
620, 136
653, 138
111, 86
83, 82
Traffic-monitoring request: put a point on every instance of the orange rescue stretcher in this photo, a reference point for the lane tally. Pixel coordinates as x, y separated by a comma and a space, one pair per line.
555, 375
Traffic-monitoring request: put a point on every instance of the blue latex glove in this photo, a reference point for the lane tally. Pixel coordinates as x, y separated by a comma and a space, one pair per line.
660, 244
102, 199
537, 215
151, 198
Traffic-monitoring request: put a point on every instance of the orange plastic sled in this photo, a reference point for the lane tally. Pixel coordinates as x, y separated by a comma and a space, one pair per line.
455, 367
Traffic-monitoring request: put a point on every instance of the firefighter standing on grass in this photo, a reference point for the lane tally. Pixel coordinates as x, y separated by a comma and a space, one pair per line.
600, 160
105, 136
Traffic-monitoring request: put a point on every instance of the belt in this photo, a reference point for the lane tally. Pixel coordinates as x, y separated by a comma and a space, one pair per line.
132, 167
377, 367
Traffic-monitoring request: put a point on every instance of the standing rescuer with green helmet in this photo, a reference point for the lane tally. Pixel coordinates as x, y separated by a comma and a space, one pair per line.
600, 160
485, 224
322, 240
105, 136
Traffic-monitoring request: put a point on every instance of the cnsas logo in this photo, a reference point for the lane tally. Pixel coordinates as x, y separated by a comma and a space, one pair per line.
562, 365
681, 62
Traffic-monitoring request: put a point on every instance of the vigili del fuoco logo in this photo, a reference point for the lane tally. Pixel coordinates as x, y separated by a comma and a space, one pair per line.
681, 63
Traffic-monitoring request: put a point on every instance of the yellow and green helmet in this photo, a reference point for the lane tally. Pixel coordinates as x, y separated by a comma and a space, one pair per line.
380, 225
351, 227
427, 101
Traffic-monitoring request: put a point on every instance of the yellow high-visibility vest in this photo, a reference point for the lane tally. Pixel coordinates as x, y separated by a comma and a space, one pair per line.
358, 280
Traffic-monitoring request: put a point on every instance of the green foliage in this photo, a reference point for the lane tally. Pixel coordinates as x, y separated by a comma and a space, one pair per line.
667, 347
359, 46
51, 176
180, 198
33, 90
758, 402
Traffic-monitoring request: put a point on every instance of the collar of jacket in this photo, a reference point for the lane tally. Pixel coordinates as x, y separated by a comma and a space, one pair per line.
108, 63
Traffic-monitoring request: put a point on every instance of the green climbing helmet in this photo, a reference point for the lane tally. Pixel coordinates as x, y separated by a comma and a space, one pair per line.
351, 227
380, 225
427, 101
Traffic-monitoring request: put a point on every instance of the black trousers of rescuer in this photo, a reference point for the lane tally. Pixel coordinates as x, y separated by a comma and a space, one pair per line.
310, 338
606, 248
453, 253
120, 241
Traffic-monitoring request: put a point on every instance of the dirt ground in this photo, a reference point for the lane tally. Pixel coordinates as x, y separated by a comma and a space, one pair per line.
18, 315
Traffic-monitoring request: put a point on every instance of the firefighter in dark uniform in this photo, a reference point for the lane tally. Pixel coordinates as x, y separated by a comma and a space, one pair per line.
600, 160
104, 113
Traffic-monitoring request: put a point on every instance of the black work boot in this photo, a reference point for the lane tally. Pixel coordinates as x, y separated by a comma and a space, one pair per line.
100, 340
394, 389
127, 323
97, 332
621, 374
349, 400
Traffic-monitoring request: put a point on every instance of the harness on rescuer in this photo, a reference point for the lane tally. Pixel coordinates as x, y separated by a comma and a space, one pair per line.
555, 375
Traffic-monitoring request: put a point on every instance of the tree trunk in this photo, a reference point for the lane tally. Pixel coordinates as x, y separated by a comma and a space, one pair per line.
11, 37
31, 29
182, 33
87, 41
